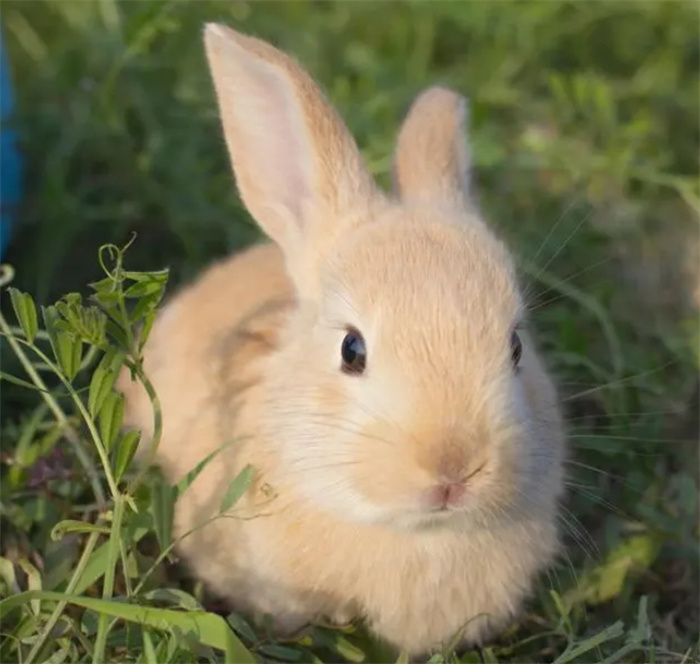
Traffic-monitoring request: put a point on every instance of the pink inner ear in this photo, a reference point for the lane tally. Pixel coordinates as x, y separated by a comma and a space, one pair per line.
270, 147
280, 147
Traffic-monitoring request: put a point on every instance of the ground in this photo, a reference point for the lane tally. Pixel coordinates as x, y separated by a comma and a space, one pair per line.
584, 137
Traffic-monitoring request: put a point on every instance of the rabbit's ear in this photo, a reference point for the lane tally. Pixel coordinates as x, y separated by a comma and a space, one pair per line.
431, 163
296, 166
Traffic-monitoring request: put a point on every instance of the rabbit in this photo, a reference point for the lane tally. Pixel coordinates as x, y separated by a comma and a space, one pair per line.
370, 361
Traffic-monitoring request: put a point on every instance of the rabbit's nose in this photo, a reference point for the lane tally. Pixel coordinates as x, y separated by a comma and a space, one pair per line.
449, 494
451, 487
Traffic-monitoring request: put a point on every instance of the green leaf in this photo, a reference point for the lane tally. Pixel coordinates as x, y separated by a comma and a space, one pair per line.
162, 507
606, 580
489, 656
126, 448
58, 657
95, 326
59, 531
69, 309
7, 574
192, 475
347, 650
104, 378
154, 276
51, 317
563, 608
471, 657
339, 644
207, 628
33, 582
284, 653
108, 301
240, 624
237, 488
174, 596
116, 331
144, 306
146, 328
27, 628
97, 564
19, 382
104, 286
615, 631
25, 311
149, 651
143, 288
110, 418
67, 348
172, 649
642, 631
167, 649
86, 323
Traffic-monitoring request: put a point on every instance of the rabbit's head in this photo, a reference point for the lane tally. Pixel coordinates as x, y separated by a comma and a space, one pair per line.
405, 390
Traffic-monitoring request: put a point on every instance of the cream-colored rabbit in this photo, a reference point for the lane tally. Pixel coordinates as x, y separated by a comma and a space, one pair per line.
370, 365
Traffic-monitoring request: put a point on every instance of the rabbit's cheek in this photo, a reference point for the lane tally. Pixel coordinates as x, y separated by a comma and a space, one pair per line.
322, 452
526, 471
520, 409
337, 495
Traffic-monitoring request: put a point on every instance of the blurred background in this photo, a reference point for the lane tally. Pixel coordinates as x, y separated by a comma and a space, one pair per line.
585, 140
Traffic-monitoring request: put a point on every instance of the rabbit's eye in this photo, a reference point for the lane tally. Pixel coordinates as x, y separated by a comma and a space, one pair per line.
516, 348
354, 353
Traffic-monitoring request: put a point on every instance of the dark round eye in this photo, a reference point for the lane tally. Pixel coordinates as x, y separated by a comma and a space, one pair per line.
354, 353
516, 348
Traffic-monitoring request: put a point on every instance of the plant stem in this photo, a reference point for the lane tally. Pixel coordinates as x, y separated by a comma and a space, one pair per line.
165, 552
137, 367
104, 624
157, 426
125, 566
60, 416
101, 451
163, 555
70, 588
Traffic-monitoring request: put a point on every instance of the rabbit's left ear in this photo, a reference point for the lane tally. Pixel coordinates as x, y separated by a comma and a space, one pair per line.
431, 163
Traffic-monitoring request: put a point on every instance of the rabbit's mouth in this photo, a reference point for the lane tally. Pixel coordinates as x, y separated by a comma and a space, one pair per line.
444, 518
444, 497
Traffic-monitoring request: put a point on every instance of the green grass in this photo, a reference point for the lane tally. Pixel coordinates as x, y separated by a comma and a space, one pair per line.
585, 138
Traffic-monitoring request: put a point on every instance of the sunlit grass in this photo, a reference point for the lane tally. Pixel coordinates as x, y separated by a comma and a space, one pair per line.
585, 149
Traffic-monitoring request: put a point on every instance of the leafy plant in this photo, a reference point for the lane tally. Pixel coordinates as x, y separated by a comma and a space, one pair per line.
113, 326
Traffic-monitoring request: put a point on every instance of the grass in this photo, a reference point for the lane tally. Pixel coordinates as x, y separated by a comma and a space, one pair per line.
585, 147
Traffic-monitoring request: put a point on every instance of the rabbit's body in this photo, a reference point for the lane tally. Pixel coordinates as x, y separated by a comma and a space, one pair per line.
415, 481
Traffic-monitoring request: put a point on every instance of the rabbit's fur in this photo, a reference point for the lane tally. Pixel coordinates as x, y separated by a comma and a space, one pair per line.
248, 356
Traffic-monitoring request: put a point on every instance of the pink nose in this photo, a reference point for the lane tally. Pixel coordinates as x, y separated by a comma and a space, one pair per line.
444, 495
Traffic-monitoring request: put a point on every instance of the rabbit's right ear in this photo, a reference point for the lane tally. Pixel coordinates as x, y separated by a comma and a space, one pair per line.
431, 163
296, 165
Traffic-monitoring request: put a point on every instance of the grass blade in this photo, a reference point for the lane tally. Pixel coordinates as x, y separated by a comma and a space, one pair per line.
615, 631
237, 488
207, 628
